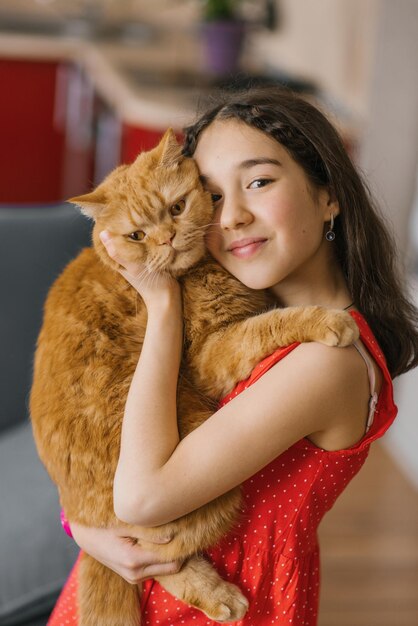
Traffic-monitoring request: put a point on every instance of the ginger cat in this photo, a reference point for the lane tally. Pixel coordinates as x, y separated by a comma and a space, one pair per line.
88, 347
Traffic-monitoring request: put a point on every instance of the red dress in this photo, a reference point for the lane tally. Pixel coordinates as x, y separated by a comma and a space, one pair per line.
272, 554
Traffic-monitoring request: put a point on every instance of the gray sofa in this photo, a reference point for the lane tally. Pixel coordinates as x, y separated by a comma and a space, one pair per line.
35, 554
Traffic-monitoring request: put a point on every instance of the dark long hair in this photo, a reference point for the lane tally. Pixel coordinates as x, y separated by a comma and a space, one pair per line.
364, 245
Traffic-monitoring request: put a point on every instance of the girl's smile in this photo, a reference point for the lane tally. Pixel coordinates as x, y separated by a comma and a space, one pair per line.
247, 247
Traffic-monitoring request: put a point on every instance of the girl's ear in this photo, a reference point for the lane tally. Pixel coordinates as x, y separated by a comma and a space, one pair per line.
329, 203
333, 207
91, 204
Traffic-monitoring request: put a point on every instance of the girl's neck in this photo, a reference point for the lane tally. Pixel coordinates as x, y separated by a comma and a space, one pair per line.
324, 286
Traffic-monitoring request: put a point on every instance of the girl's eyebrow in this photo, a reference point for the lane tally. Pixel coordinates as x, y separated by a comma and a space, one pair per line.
246, 165
260, 161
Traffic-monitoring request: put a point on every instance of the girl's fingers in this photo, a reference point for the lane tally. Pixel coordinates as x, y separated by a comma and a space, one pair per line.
148, 285
110, 247
128, 272
163, 538
162, 569
134, 574
106, 240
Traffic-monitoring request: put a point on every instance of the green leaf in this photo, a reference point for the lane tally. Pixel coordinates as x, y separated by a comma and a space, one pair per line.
220, 9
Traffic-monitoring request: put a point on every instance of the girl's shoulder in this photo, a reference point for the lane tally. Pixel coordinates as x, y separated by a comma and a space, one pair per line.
337, 379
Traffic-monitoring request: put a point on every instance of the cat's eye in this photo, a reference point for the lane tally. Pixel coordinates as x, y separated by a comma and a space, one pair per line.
138, 235
178, 208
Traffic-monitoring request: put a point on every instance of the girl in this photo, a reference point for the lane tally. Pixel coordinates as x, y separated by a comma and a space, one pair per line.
291, 216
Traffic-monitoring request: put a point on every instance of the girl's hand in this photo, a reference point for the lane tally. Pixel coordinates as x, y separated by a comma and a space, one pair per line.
151, 287
116, 551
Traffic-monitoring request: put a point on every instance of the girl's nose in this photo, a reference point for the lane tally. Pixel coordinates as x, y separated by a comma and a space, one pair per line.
234, 213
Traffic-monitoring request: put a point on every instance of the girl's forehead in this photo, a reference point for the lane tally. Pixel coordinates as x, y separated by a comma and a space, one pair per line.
221, 128
233, 140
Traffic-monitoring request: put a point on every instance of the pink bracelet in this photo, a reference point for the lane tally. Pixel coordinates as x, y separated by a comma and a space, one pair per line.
65, 524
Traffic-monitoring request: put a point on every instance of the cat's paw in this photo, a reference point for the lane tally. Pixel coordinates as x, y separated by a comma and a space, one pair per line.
336, 328
225, 604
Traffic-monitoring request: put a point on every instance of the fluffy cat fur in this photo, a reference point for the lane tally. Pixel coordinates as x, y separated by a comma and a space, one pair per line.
88, 348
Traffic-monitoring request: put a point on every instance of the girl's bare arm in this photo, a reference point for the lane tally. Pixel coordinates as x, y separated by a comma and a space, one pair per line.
315, 389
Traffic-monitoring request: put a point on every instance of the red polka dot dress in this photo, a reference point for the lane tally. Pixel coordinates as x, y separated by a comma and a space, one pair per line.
272, 554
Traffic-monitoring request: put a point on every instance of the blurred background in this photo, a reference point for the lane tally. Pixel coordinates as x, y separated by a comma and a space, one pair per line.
86, 85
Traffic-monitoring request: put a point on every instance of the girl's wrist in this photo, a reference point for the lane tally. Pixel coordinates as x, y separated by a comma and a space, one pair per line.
168, 302
165, 325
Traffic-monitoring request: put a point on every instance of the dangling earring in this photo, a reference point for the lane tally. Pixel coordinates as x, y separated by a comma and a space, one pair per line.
330, 235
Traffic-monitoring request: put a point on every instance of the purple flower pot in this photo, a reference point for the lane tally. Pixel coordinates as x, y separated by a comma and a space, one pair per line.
223, 42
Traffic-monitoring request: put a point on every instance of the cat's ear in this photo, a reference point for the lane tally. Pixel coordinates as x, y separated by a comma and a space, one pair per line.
91, 204
169, 151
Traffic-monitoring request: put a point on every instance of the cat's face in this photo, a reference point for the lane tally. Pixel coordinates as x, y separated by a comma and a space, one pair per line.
156, 209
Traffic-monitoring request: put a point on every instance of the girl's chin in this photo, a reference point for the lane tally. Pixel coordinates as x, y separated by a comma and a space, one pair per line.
255, 283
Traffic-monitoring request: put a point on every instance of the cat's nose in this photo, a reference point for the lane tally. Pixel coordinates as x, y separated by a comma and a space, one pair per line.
168, 240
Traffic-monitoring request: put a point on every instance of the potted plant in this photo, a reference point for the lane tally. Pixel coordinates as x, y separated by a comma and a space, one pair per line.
223, 32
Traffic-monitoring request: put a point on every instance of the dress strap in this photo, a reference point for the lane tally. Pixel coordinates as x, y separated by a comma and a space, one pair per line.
372, 379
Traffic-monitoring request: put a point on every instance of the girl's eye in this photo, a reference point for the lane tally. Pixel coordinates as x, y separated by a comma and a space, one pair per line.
138, 235
215, 197
178, 208
260, 182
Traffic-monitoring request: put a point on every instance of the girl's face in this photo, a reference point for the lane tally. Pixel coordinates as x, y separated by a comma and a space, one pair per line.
269, 220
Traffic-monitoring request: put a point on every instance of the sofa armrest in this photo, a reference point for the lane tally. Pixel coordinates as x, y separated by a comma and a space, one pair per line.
35, 245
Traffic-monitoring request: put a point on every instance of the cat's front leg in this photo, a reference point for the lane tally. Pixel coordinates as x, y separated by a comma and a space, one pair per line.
199, 584
230, 354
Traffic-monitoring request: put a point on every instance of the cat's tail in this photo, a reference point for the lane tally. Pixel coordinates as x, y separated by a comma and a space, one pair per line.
104, 597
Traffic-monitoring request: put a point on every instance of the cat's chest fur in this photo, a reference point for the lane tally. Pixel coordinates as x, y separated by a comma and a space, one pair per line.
97, 313
213, 298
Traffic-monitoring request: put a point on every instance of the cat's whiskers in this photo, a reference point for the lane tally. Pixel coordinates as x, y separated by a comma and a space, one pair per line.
158, 270
203, 226
206, 226
150, 278
191, 238
155, 268
152, 266
195, 233
143, 273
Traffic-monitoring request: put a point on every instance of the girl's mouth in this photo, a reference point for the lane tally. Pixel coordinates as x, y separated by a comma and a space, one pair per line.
245, 248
